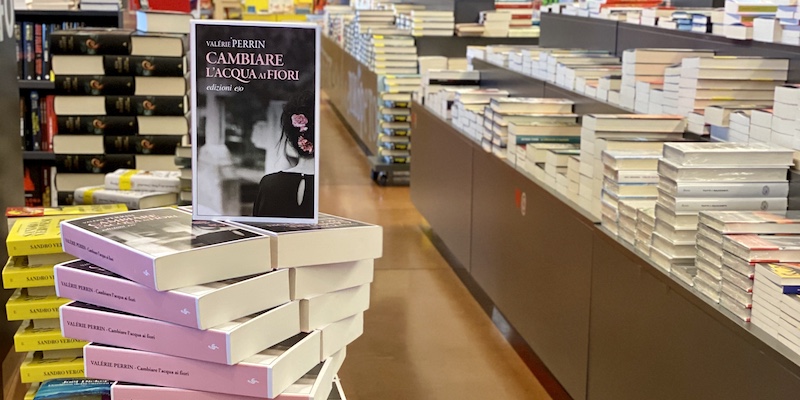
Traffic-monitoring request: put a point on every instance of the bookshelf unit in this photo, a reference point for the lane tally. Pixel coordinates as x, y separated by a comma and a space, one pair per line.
545, 266
38, 161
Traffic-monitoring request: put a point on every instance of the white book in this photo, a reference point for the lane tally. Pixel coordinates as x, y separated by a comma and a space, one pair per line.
337, 335
324, 309
684, 204
314, 280
726, 154
704, 173
133, 199
144, 181
724, 190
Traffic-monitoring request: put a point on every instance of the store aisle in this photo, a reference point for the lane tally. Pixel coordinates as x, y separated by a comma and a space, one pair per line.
425, 337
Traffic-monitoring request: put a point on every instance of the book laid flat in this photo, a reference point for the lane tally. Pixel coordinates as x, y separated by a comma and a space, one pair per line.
17, 273
135, 179
31, 236
124, 65
164, 249
200, 306
764, 248
306, 282
113, 41
705, 173
133, 199
531, 105
683, 204
93, 164
21, 306
337, 335
635, 123
121, 105
726, 189
314, 385
15, 213
785, 275
30, 338
227, 343
103, 85
84, 389
120, 125
334, 239
727, 153
763, 222
321, 310
37, 369
265, 374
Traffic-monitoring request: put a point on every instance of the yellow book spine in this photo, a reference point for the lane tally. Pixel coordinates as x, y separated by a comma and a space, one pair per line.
34, 369
31, 236
30, 339
20, 307
18, 275
33, 246
31, 393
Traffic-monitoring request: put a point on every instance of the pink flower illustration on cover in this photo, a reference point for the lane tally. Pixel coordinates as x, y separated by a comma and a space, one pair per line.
300, 121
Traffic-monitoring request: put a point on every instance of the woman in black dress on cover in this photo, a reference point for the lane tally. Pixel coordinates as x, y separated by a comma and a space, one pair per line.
290, 193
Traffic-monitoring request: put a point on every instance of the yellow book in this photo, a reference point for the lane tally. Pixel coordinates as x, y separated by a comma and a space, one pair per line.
36, 369
15, 213
18, 274
32, 236
29, 338
20, 306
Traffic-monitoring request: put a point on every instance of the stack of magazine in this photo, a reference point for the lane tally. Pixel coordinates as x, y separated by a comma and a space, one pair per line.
176, 307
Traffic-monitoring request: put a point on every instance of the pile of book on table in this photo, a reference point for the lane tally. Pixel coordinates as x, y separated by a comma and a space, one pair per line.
136, 189
34, 247
695, 177
161, 314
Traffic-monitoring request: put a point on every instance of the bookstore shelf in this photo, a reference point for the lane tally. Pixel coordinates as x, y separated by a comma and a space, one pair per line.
649, 335
36, 85
38, 156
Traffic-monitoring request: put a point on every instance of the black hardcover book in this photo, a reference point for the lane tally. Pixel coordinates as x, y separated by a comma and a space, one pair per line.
38, 51
25, 123
20, 53
28, 49
91, 41
98, 125
97, 164
36, 121
138, 144
66, 198
146, 105
144, 65
95, 85
47, 30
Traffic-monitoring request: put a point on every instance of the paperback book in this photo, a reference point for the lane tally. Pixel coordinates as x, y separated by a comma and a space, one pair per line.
764, 248
17, 273
15, 213
34, 236
759, 222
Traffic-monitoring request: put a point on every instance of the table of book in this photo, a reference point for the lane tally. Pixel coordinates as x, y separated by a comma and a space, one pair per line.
605, 322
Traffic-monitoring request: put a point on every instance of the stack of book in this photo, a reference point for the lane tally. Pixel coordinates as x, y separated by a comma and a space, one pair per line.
390, 54
739, 128
468, 108
514, 121
367, 23
697, 177
183, 160
645, 225
628, 176
120, 103
770, 28
608, 84
734, 273
51, 5
335, 19
449, 80
137, 189
720, 118
469, 29
427, 23
573, 175
649, 65
531, 157
628, 216
556, 164
394, 111
34, 247
729, 81
563, 68
159, 312
784, 114
608, 132
500, 54
671, 90
739, 16
426, 63
761, 125
495, 23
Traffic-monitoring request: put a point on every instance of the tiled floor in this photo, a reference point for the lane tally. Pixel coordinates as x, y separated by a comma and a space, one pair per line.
425, 337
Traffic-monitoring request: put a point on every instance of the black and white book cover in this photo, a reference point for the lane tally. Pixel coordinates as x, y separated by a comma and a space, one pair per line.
255, 103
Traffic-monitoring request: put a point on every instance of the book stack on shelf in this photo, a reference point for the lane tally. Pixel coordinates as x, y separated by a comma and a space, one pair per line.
120, 103
729, 81
648, 66
394, 110
629, 176
161, 315
551, 59
390, 55
336, 17
51, 5
645, 225
512, 121
719, 120
523, 17
696, 177
531, 158
426, 63
739, 16
500, 54
573, 174
468, 109
183, 160
556, 166
427, 23
449, 81
137, 189
716, 260
609, 132
761, 125
785, 109
495, 23
628, 220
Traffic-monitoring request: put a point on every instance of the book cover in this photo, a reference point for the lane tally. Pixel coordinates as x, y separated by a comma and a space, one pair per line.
21, 306
37, 369
31, 236
84, 389
133, 199
30, 338
164, 249
336, 239
764, 248
764, 222
134, 179
17, 273
227, 343
198, 306
93, 163
265, 374
314, 385
262, 78
727, 154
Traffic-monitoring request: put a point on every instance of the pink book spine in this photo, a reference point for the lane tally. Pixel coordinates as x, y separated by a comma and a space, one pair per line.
138, 392
127, 365
124, 295
113, 257
141, 333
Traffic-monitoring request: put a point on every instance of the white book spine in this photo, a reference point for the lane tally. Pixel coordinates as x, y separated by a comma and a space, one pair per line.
144, 183
730, 204
95, 195
756, 190
637, 177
